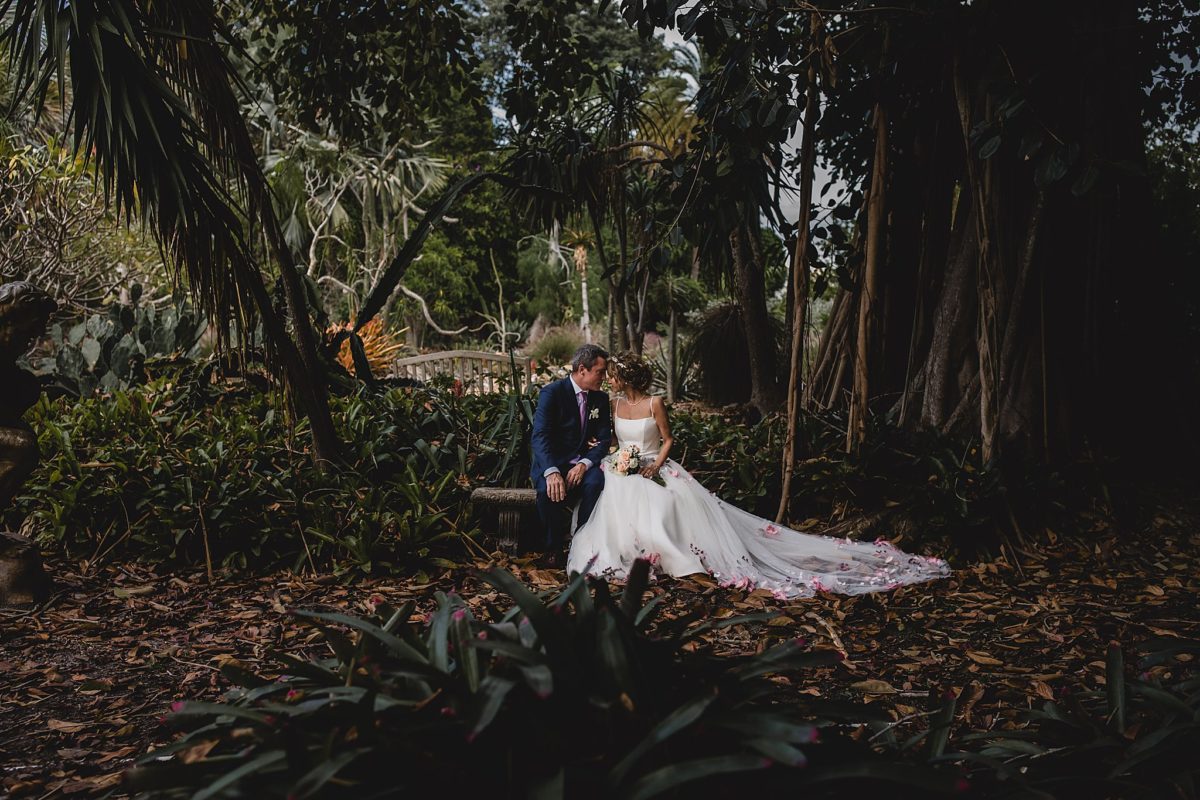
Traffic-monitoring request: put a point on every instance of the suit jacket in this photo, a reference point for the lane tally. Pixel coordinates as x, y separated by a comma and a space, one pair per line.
557, 435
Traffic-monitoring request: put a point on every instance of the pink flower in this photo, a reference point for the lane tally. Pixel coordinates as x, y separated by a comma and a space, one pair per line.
459, 614
674, 473
771, 530
375, 600
780, 594
292, 694
654, 558
817, 585
481, 635
177, 706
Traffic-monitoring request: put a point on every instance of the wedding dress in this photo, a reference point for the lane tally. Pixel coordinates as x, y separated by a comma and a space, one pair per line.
681, 528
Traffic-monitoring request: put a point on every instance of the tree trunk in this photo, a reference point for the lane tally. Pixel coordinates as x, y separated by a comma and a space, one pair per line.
1007, 316
856, 429
672, 359
799, 281
303, 369
751, 296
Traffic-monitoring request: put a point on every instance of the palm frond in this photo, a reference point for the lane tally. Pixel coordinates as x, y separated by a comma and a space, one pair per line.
151, 109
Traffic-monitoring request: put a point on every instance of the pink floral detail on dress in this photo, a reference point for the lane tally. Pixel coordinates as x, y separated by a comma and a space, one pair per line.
771, 530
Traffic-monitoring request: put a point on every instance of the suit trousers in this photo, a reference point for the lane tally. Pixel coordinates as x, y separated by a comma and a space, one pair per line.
556, 517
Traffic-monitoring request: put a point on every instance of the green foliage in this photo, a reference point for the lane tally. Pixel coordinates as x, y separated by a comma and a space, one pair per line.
174, 474
563, 696
332, 64
737, 461
447, 281
106, 352
719, 349
56, 230
555, 347
180, 471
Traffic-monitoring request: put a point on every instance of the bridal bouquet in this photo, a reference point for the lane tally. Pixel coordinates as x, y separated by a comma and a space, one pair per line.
628, 460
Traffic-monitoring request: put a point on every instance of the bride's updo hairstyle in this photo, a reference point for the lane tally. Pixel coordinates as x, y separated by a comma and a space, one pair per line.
633, 371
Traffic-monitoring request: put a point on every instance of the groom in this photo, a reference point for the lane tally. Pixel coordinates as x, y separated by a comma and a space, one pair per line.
570, 413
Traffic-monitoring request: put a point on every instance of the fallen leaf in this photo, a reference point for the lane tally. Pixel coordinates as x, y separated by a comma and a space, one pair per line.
64, 726
873, 686
984, 658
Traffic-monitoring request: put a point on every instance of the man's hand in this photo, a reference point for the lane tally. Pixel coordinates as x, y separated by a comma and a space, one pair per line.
556, 489
575, 476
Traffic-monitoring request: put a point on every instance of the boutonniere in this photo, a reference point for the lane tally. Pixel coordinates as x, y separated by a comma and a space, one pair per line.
595, 414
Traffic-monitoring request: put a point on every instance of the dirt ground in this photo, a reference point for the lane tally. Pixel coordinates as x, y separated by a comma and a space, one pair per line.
87, 680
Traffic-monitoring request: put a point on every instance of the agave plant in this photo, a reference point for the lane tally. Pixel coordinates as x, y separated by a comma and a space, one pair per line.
565, 696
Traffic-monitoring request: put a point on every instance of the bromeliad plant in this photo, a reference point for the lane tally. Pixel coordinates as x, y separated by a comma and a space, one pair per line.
567, 696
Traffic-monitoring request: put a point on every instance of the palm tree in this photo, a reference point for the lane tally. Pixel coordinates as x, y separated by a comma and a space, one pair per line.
579, 241
153, 109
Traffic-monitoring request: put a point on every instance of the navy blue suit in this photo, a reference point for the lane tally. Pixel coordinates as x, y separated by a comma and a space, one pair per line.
558, 438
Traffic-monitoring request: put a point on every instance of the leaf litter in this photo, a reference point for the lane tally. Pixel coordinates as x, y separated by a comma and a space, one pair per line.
86, 680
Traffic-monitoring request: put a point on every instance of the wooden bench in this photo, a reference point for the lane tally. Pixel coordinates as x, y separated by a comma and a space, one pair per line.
476, 371
511, 505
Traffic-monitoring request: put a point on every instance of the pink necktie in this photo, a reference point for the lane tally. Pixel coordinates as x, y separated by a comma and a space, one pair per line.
581, 398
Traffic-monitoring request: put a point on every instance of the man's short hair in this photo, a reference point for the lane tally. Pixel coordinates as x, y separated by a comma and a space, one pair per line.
585, 357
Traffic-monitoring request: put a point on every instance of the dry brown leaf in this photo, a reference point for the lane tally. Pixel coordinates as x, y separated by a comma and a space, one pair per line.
873, 686
197, 752
65, 726
984, 659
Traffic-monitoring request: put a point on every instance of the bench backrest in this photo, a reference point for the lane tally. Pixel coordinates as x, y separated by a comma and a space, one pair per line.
477, 372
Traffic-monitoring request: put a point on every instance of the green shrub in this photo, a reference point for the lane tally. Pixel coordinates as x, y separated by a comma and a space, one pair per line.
157, 473
737, 461
719, 350
555, 347
179, 471
106, 352
561, 697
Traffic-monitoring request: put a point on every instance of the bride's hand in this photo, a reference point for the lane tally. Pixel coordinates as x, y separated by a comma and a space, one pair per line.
592, 442
650, 471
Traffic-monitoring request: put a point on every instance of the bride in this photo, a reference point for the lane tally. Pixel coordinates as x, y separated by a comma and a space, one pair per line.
681, 528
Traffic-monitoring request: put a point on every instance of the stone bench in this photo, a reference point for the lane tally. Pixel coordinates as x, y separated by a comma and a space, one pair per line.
513, 507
